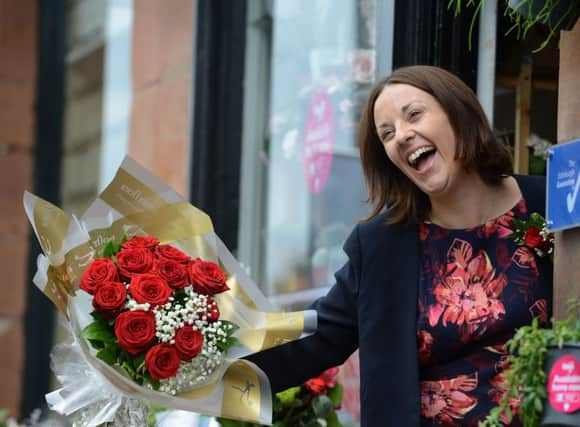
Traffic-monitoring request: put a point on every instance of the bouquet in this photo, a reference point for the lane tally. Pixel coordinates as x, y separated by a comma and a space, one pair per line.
159, 311
154, 314
310, 404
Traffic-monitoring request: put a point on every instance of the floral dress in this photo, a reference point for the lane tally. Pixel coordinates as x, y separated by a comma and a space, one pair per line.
475, 288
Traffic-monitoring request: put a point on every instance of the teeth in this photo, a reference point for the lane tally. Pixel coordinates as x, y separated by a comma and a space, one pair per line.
416, 154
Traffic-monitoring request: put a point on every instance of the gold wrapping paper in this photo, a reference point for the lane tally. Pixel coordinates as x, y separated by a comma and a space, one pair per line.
139, 202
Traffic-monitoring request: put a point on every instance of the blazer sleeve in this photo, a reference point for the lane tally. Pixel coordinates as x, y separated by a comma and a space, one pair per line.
336, 337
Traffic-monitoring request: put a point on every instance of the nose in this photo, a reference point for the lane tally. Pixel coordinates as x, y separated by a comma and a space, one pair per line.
404, 134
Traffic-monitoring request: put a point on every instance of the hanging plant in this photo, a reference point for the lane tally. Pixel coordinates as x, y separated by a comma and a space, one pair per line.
524, 14
536, 354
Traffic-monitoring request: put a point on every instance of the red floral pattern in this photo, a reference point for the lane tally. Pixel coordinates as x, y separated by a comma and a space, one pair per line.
447, 401
476, 287
469, 294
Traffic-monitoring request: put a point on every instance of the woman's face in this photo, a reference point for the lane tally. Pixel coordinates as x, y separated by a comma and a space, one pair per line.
417, 137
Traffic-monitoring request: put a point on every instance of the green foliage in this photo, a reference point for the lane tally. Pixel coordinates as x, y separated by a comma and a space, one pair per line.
3, 417
526, 377
543, 248
111, 248
233, 423
537, 165
523, 22
287, 396
335, 394
300, 407
230, 340
456, 5
100, 333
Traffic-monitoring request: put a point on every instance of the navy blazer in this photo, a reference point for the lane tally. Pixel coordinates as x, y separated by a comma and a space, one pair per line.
373, 306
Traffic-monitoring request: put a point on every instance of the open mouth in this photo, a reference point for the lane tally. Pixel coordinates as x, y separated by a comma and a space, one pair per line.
420, 158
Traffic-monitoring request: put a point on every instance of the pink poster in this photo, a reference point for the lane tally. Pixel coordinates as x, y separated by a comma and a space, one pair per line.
564, 385
318, 142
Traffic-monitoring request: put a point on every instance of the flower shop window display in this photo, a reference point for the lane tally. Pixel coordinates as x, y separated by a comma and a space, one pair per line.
154, 314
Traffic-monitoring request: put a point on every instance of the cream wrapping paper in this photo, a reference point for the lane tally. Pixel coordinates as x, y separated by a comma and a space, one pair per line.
139, 202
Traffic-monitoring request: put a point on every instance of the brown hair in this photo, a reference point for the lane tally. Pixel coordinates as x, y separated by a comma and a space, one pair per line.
477, 148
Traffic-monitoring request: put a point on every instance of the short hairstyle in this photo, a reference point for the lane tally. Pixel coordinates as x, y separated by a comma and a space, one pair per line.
477, 147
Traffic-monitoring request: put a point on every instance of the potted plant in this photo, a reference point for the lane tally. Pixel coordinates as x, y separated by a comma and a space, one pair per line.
543, 377
524, 14
311, 404
556, 14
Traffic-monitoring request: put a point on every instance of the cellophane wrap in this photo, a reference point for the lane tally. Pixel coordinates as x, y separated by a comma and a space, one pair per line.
139, 203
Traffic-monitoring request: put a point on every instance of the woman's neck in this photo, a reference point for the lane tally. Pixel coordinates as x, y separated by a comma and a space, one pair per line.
474, 202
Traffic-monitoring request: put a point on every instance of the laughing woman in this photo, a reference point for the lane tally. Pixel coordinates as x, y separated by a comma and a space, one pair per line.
433, 287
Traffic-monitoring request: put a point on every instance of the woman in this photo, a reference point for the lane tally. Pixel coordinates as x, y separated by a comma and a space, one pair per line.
433, 287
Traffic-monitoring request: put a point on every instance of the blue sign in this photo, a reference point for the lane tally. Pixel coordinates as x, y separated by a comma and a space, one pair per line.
563, 198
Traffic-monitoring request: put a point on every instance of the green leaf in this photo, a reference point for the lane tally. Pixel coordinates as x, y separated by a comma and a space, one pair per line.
287, 396
225, 422
154, 383
332, 420
109, 250
98, 331
109, 354
322, 406
128, 367
116, 247
228, 343
139, 363
538, 404
231, 327
335, 394
97, 345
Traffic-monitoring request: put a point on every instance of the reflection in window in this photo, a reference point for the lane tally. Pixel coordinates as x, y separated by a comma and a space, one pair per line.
323, 61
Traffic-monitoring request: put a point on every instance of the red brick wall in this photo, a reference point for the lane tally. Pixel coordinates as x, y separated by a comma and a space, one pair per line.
162, 74
17, 91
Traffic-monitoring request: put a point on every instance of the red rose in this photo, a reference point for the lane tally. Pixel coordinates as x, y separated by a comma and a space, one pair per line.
172, 254
98, 272
149, 288
162, 361
172, 272
135, 330
324, 381
212, 311
533, 238
316, 385
188, 342
206, 277
109, 299
135, 261
146, 242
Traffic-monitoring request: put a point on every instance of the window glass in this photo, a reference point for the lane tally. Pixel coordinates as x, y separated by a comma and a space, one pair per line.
322, 67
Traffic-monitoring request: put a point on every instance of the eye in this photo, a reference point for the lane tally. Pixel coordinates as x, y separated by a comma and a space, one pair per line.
414, 114
386, 135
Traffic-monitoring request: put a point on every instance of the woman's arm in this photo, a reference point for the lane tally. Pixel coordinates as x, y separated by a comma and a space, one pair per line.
337, 333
